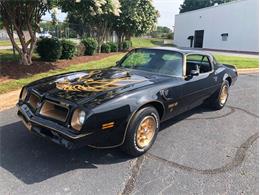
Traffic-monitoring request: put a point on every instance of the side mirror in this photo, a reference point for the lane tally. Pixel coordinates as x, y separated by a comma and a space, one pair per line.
195, 72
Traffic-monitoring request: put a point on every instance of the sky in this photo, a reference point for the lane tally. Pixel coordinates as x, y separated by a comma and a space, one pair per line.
166, 8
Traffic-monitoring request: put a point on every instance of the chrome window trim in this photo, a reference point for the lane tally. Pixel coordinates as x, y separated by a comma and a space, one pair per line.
210, 61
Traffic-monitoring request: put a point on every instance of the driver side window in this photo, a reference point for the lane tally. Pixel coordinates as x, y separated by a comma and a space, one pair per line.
197, 60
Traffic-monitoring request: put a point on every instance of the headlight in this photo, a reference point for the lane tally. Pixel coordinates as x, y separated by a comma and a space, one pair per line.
78, 119
82, 115
23, 94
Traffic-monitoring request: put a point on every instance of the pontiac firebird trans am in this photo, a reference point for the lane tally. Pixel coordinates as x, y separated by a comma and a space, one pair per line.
125, 104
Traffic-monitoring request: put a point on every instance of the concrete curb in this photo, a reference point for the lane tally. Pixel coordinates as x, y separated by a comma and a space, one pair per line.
9, 99
248, 70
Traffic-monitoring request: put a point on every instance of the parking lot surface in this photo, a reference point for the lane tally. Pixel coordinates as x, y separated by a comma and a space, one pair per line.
199, 152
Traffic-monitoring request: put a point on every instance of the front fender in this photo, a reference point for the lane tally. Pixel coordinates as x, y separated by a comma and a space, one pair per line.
120, 112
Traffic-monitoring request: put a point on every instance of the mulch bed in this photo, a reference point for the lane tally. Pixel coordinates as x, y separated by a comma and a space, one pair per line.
13, 70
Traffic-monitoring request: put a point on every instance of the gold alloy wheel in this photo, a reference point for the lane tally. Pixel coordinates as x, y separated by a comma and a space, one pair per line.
145, 131
223, 95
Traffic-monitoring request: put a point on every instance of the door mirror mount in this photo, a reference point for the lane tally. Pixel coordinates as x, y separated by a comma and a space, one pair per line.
196, 71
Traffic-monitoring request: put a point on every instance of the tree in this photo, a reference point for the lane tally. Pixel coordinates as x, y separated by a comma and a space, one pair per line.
137, 17
23, 15
96, 14
77, 24
189, 5
162, 32
163, 29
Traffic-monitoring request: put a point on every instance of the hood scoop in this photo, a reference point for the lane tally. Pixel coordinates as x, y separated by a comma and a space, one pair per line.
95, 81
120, 74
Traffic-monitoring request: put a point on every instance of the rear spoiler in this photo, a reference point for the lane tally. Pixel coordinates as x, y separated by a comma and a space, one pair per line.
232, 67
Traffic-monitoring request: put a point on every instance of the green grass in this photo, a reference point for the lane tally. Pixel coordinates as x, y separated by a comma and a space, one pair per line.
150, 42
7, 42
16, 84
6, 55
143, 42
240, 62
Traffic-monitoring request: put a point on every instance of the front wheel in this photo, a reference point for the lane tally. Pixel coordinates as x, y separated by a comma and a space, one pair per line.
142, 131
219, 99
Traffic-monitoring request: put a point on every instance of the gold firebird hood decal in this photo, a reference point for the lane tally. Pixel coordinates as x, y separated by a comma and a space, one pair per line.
87, 83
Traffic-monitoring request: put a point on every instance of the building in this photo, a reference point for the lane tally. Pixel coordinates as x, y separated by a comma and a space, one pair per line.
232, 26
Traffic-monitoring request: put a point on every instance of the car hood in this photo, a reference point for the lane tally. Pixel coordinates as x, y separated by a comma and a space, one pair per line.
82, 86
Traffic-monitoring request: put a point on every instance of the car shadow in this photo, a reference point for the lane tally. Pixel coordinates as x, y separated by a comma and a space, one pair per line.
33, 159
183, 116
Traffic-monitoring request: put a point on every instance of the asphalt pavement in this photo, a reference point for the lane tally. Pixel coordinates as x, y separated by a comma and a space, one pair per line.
199, 152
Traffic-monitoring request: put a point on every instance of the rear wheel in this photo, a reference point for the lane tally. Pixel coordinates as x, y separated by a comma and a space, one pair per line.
219, 99
142, 131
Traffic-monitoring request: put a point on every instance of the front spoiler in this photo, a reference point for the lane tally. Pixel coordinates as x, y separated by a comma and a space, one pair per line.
53, 131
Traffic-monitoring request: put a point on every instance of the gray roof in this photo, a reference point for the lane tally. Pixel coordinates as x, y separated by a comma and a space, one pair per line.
184, 51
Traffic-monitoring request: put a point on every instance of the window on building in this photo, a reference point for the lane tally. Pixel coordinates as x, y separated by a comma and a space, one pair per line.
224, 36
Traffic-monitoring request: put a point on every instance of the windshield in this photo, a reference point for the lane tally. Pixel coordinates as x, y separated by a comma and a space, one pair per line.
154, 60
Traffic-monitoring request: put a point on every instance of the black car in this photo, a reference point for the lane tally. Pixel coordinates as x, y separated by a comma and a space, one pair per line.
125, 104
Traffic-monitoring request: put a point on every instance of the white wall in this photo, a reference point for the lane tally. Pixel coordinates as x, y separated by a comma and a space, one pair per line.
239, 19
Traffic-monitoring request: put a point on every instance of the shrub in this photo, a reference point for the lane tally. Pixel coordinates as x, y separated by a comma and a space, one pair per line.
90, 46
105, 48
127, 45
68, 49
113, 47
169, 36
49, 49
80, 49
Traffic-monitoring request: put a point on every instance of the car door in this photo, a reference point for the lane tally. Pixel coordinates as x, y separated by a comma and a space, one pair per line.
197, 88
172, 91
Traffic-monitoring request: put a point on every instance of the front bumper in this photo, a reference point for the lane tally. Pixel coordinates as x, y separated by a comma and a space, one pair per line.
53, 131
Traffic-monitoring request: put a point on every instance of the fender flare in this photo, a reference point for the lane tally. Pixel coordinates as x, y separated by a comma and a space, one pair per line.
228, 78
131, 115
136, 110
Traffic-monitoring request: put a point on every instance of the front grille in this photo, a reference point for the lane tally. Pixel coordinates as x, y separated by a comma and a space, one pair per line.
54, 111
33, 101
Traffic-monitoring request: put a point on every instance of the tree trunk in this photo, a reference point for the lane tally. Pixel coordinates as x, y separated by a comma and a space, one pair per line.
24, 53
26, 59
120, 40
128, 36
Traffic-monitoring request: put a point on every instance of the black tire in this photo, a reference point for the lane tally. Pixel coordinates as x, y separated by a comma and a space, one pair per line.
130, 145
216, 102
